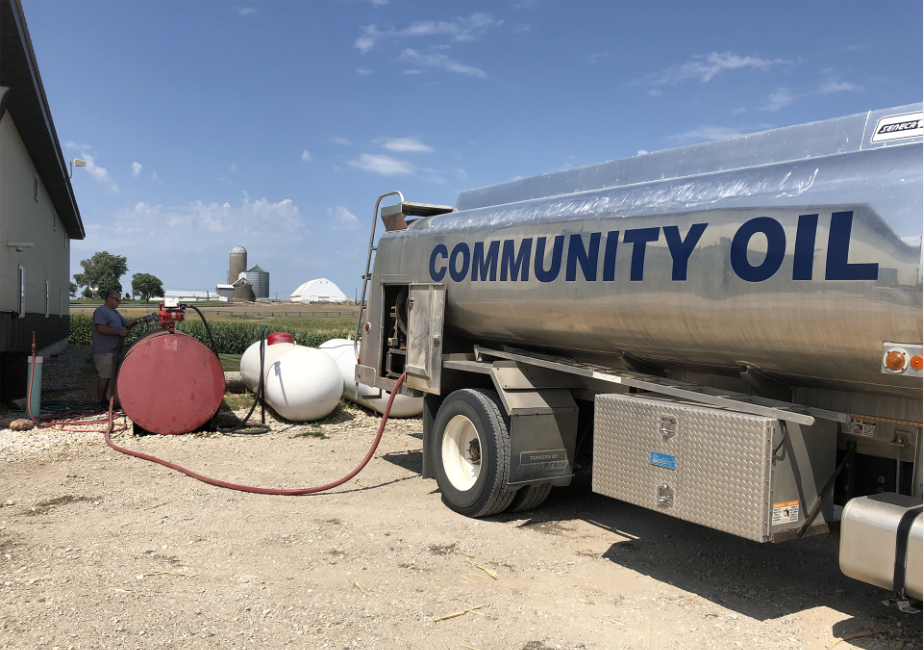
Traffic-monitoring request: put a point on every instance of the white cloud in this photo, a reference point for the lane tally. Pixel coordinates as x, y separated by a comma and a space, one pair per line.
145, 222
404, 145
234, 167
339, 140
222, 179
523, 28
363, 71
738, 111
342, 218
246, 11
705, 133
155, 177
462, 175
777, 100
384, 165
97, 172
460, 29
441, 61
706, 66
367, 41
641, 152
834, 86
412, 71
136, 168
654, 92
306, 156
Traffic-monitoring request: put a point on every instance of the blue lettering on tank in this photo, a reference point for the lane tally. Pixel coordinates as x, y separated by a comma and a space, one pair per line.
609, 256
838, 268
515, 258
541, 274
776, 249
681, 249
485, 266
639, 237
437, 274
586, 258
513, 263
803, 258
460, 250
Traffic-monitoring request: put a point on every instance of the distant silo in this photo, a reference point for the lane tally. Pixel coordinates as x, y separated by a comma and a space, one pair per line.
260, 281
243, 290
237, 263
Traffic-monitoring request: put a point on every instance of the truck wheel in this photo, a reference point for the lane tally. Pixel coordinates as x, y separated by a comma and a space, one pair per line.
472, 453
529, 497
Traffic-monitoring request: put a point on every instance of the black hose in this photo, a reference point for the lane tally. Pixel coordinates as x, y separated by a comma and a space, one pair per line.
207, 328
254, 429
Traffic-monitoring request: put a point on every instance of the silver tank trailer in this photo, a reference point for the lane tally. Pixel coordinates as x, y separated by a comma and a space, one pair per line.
795, 251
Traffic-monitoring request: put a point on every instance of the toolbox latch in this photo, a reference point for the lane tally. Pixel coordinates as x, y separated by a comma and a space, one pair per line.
665, 495
668, 426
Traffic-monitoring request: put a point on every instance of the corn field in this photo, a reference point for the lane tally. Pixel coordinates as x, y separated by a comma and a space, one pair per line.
230, 337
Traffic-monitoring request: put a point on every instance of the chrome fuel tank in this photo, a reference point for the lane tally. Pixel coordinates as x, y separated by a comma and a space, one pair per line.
795, 251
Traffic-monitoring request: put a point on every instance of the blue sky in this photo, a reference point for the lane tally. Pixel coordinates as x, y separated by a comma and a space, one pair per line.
276, 125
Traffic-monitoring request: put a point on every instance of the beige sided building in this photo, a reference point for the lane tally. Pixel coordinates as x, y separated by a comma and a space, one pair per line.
38, 212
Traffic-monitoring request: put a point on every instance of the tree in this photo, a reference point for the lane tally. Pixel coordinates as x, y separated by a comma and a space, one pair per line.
146, 285
73, 290
106, 285
101, 273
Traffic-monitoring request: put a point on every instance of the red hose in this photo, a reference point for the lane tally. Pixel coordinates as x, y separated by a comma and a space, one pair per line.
257, 490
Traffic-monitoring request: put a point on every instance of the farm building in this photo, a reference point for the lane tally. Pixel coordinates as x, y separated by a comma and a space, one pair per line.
320, 290
38, 212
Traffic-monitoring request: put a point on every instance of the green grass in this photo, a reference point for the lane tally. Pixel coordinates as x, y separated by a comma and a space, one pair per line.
230, 362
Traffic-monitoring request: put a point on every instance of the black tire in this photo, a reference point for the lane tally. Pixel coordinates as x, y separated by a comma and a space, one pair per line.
489, 494
529, 497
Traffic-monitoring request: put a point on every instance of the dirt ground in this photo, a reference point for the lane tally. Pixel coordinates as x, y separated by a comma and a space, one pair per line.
102, 550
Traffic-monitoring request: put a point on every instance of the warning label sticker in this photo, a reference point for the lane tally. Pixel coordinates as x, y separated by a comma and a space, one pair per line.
786, 512
859, 427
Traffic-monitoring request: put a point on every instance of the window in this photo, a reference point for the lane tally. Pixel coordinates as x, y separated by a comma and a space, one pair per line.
22, 293
47, 290
54, 220
60, 302
65, 240
35, 187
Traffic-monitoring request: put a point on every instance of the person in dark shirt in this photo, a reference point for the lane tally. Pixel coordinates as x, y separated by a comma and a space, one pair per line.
109, 328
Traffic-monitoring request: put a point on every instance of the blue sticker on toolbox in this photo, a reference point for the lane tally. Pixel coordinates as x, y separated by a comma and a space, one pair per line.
663, 460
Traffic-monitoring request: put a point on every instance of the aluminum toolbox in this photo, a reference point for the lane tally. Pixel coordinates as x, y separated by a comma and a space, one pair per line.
712, 466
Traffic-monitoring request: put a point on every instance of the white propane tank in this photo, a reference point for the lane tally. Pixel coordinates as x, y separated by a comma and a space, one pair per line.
250, 361
303, 385
344, 354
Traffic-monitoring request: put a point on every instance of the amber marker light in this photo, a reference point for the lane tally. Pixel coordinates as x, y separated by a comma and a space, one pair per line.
917, 362
895, 361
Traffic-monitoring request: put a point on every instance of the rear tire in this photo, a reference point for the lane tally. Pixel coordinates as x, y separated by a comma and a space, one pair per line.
529, 497
471, 453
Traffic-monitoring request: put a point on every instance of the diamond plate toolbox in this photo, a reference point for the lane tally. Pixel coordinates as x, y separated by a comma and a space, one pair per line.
699, 464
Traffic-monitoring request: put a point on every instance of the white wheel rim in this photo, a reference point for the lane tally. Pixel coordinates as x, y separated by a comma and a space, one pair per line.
462, 449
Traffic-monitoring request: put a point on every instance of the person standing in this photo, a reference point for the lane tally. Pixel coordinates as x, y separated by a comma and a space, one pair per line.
109, 328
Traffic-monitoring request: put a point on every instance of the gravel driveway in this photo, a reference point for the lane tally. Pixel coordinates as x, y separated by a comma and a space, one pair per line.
100, 550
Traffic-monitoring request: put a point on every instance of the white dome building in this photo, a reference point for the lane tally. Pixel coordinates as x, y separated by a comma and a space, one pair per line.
320, 290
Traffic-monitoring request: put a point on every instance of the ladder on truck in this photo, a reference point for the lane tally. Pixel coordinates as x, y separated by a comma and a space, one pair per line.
394, 218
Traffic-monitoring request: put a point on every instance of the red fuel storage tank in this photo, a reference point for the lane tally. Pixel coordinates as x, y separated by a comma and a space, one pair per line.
170, 383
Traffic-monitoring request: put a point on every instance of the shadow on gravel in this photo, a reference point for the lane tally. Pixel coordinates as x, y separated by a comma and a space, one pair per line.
412, 460
763, 581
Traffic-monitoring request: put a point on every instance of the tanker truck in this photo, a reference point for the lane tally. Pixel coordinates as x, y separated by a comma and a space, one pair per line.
728, 333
